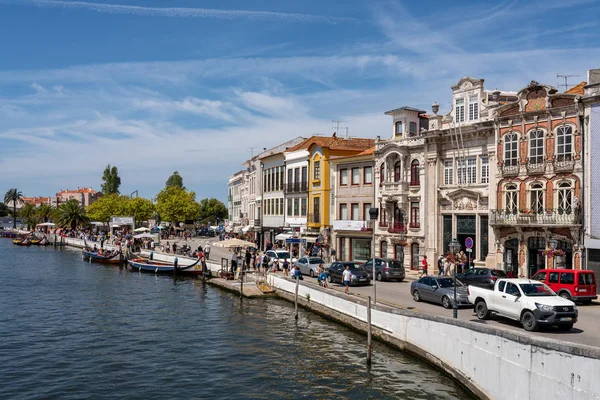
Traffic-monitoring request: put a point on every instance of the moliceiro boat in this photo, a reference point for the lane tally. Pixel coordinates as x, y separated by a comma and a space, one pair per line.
104, 258
144, 264
22, 242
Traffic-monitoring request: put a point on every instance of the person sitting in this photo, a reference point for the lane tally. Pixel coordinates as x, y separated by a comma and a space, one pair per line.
322, 277
95, 249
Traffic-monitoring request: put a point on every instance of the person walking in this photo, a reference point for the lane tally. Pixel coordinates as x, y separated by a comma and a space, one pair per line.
207, 251
440, 263
233, 262
247, 257
347, 277
286, 266
425, 265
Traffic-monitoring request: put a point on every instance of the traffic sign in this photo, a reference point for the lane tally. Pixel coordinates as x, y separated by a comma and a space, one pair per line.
469, 250
469, 243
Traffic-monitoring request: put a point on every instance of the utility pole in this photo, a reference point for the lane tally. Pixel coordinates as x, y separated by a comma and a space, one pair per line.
566, 80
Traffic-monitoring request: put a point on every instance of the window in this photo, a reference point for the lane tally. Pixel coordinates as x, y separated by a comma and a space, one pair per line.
303, 207
366, 215
414, 173
397, 174
473, 107
540, 277
354, 212
383, 250
355, 176
564, 141
485, 170
317, 170
415, 256
304, 175
567, 278
536, 146
281, 202
471, 170
511, 199
289, 207
414, 214
343, 177
537, 198
511, 153
296, 208
276, 186
290, 175
461, 171
565, 198
368, 175
553, 277
381, 174
512, 289
281, 179
448, 172
412, 128
460, 110
264, 181
399, 128
343, 211
501, 286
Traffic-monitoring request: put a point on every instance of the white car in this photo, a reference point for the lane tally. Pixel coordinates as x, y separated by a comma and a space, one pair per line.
280, 256
531, 302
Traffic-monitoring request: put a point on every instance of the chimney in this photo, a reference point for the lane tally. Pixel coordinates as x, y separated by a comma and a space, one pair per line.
495, 95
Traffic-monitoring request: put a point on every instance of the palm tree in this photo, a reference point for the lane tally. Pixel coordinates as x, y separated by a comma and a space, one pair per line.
71, 215
16, 197
45, 211
29, 214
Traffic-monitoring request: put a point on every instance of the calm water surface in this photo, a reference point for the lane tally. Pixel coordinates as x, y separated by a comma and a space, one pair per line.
73, 330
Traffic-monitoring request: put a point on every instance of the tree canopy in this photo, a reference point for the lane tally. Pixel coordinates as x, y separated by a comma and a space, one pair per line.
140, 208
29, 215
15, 196
111, 180
71, 215
175, 204
3, 210
175, 180
212, 210
107, 207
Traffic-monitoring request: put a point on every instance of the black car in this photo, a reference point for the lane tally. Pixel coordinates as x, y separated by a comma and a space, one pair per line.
386, 269
359, 275
482, 277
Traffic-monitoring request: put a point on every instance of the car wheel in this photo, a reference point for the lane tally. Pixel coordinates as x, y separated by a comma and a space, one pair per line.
379, 276
416, 295
528, 321
566, 327
329, 279
481, 310
446, 302
565, 295
312, 273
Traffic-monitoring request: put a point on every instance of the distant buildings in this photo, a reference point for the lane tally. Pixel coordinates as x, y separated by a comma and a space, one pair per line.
84, 196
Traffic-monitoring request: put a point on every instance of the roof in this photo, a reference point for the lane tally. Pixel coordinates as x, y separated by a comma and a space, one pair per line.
367, 152
281, 148
577, 89
405, 108
336, 143
78, 190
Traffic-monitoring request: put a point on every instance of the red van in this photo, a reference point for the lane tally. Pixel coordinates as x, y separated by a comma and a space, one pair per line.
576, 285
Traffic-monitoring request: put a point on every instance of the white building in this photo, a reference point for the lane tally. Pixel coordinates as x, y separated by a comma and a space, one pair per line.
296, 189
236, 187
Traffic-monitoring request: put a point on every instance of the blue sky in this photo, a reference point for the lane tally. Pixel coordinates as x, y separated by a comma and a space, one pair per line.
157, 86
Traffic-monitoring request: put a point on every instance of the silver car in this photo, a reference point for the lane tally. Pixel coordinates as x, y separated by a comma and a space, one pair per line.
439, 290
310, 265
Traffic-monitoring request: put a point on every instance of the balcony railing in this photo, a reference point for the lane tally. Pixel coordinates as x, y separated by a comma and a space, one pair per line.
383, 224
397, 227
536, 166
548, 218
313, 218
351, 225
394, 188
296, 187
563, 163
510, 170
414, 225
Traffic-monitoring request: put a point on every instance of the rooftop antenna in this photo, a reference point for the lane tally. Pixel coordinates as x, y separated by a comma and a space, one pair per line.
566, 78
254, 148
335, 126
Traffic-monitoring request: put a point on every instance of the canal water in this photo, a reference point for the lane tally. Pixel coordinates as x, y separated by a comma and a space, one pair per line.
74, 330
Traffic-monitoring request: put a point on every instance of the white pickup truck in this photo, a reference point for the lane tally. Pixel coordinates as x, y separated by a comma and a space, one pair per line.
531, 302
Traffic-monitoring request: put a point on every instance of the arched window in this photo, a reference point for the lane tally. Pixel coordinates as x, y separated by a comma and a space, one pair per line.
511, 199
536, 146
511, 152
398, 128
381, 174
565, 198
383, 249
397, 172
414, 173
536, 197
564, 142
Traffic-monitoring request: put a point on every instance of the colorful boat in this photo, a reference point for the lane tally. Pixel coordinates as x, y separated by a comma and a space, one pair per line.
41, 242
22, 242
108, 258
143, 264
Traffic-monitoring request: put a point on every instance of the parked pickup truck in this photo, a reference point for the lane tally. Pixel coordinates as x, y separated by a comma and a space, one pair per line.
531, 302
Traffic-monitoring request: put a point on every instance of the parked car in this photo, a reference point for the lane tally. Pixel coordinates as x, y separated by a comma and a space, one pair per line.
439, 290
359, 275
531, 302
576, 285
280, 256
483, 277
310, 265
386, 269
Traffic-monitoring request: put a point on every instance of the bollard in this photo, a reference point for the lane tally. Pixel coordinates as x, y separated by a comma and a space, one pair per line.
296, 299
151, 255
369, 332
175, 266
242, 282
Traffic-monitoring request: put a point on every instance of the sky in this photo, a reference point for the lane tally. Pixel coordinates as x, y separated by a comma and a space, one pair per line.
199, 86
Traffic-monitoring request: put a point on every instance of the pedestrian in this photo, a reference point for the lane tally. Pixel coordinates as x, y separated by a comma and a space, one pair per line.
207, 251
265, 262
322, 276
440, 265
425, 265
347, 277
298, 274
233, 262
247, 257
286, 266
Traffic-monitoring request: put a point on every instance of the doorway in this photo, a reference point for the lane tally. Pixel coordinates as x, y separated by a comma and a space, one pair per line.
536, 260
511, 257
466, 228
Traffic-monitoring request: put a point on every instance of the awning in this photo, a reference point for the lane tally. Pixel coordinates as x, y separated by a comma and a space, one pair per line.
283, 236
246, 228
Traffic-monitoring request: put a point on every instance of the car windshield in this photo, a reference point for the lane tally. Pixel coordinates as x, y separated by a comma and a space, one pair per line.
353, 267
316, 260
395, 264
446, 283
283, 254
536, 290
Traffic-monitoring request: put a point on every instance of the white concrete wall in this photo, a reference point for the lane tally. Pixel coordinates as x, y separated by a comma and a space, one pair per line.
500, 364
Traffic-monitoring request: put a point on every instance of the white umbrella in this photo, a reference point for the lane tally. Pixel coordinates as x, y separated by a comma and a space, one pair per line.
142, 229
96, 223
143, 235
46, 224
234, 243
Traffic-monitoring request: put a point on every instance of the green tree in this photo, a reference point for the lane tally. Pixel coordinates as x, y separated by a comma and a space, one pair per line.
176, 205
108, 206
14, 196
212, 210
71, 215
45, 212
175, 180
140, 209
28, 214
111, 180
3, 210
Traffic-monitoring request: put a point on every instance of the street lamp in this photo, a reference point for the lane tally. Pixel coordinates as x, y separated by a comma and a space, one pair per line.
553, 244
373, 215
454, 247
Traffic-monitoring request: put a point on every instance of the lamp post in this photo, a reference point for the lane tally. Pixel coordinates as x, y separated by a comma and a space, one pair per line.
454, 247
553, 244
373, 215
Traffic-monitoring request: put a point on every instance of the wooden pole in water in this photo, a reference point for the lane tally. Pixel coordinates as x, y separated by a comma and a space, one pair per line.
296, 300
242, 282
369, 331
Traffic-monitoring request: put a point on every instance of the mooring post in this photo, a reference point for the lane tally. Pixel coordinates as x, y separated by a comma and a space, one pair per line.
296, 300
175, 263
242, 282
369, 331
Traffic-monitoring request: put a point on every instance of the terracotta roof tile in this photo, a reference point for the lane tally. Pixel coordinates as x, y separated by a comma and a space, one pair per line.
578, 89
367, 152
335, 143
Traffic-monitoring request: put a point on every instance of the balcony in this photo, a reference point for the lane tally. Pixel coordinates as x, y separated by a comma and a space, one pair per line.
351, 225
313, 218
383, 224
536, 166
397, 227
563, 163
296, 187
510, 170
547, 219
414, 225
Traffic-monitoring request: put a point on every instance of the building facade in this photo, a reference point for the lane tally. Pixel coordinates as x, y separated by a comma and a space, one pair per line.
296, 190
236, 186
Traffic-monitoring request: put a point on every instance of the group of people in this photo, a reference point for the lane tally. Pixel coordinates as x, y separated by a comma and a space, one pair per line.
448, 267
